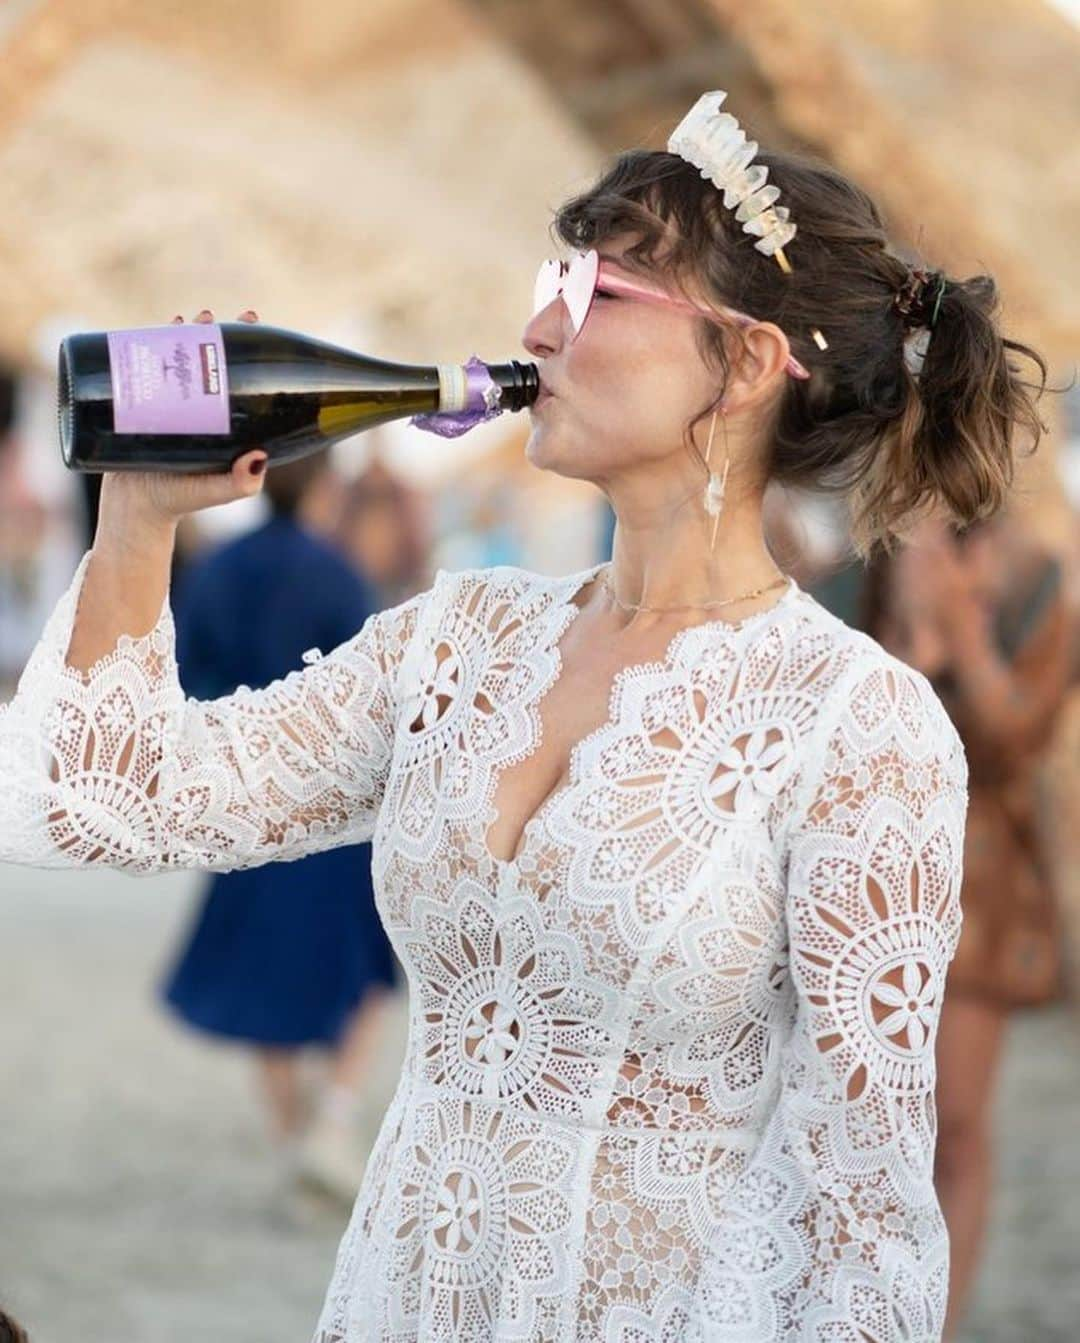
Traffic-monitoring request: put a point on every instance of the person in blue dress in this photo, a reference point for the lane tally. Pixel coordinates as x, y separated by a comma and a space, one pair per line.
289, 955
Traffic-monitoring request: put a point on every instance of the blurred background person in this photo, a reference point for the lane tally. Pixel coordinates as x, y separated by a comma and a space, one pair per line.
984, 615
36, 534
291, 955
22, 534
383, 526
11, 1331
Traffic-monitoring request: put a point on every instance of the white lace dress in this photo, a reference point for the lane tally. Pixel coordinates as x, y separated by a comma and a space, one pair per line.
670, 1070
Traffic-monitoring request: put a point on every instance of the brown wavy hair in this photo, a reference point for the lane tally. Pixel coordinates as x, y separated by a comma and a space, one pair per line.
864, 426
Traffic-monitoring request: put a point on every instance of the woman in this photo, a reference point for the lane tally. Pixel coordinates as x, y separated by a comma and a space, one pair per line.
285, 956
984, 616
671, 854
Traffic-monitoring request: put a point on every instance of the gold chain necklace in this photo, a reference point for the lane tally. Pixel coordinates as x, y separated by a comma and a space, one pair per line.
726, 601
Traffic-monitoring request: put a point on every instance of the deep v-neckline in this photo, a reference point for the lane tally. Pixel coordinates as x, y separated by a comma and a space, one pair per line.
563, 612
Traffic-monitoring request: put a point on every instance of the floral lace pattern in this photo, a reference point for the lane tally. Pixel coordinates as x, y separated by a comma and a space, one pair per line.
670, 1069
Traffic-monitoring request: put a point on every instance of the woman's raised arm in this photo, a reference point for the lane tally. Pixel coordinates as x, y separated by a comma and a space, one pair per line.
108, 762
104, 760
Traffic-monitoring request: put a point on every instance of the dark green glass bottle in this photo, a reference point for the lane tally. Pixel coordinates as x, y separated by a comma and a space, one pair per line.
193, 397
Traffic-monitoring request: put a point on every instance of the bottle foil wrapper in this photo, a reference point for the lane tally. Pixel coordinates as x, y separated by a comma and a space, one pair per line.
483, 402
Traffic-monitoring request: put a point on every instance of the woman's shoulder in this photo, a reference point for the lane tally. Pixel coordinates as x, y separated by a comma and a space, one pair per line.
876, 696
852, 676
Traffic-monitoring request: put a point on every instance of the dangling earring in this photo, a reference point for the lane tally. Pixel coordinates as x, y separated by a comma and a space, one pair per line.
714, 490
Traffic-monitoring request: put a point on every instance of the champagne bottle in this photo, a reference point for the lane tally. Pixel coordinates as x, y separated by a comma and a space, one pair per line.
194, 397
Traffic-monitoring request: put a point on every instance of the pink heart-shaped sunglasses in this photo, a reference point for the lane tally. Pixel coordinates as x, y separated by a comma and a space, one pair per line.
577, 280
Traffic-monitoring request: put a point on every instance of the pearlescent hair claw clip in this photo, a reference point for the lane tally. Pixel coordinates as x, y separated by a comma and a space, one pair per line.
714, 142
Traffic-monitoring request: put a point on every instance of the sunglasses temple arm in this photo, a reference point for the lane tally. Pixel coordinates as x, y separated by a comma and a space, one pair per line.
618, 285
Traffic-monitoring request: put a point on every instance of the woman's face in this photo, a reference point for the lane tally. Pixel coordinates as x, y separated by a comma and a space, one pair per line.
622, 391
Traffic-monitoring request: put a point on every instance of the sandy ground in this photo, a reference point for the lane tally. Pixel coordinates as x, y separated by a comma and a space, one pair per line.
139, 1202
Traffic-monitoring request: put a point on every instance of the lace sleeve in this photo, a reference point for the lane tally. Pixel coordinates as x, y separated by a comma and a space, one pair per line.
114, 765
834, 1230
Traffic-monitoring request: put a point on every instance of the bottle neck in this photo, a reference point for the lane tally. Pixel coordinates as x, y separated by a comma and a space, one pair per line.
519, 383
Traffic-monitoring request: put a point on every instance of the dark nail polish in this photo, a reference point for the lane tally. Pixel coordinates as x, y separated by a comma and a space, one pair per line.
257, 468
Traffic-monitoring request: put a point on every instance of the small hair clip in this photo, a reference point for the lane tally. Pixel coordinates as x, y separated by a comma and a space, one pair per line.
911, 298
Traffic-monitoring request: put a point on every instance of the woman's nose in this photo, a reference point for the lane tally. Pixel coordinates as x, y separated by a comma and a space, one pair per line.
544, 331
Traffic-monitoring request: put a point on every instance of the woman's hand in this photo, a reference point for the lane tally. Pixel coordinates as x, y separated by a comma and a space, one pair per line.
158, 499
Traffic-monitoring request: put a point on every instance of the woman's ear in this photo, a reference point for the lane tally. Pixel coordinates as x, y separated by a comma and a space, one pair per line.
762, 361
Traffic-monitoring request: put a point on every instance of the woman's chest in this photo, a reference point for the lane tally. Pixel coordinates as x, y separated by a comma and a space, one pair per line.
570, 709
618, 799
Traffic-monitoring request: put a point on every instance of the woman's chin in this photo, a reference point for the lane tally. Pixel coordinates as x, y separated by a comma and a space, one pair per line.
547, 452
538, 447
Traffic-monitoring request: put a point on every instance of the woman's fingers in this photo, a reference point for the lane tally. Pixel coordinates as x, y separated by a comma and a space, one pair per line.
249, 471
248, 315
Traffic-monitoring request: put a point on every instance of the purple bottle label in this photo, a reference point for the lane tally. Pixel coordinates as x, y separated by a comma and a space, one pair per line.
169, 380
